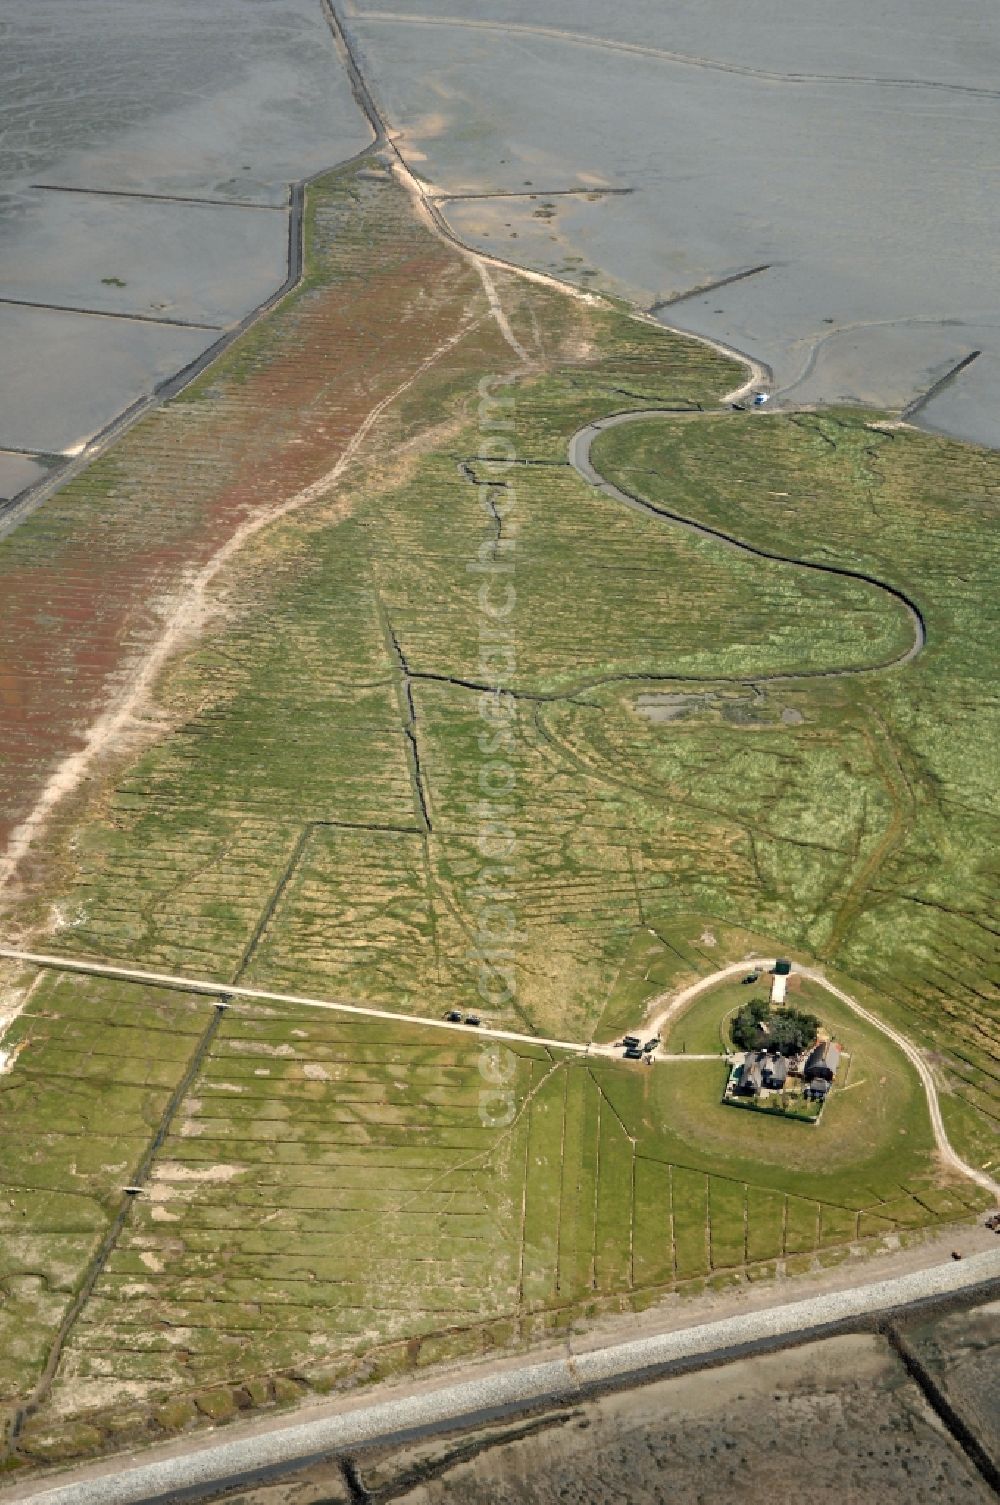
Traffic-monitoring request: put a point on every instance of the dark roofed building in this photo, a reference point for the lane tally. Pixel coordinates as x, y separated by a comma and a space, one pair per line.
818, 1088
775, 1071
822, 1061
752, 1072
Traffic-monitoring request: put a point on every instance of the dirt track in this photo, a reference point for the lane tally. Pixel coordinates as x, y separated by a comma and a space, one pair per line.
676, 1003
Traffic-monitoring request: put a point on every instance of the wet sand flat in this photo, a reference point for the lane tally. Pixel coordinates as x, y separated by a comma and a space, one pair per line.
193, 263
226, 101
88, 580
789, 36
16, 473
960, 1352
837, 1420
51, 401
967, 408
141, 106
833, 1421
848, 155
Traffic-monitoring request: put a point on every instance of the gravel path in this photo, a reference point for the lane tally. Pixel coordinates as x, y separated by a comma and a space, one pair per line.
675, 1002
185, 621
924, 1072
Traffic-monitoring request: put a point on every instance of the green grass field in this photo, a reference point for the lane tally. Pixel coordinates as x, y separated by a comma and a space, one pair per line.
323, 1186
325, 1197
324, 1200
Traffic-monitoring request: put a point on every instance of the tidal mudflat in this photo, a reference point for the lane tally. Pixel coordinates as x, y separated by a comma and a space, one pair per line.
17, 472
803, 184
177, 263
145, 161
838, 1419
48, 360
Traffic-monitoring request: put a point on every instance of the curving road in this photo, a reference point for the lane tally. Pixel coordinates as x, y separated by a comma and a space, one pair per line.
579, 455
924, 1072
580, 446
674, 1003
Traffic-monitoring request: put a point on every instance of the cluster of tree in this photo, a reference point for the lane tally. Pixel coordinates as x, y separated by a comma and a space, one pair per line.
787, 1031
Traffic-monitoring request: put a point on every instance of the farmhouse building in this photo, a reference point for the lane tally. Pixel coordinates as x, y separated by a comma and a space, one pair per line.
775, 1072
752, 1072
762, 1069
822, 1061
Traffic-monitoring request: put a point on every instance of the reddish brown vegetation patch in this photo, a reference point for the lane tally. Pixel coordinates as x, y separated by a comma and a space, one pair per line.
84, 581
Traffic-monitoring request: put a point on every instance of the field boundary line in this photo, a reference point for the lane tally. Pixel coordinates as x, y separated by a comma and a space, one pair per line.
19, 507
98, 1263
184, 621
